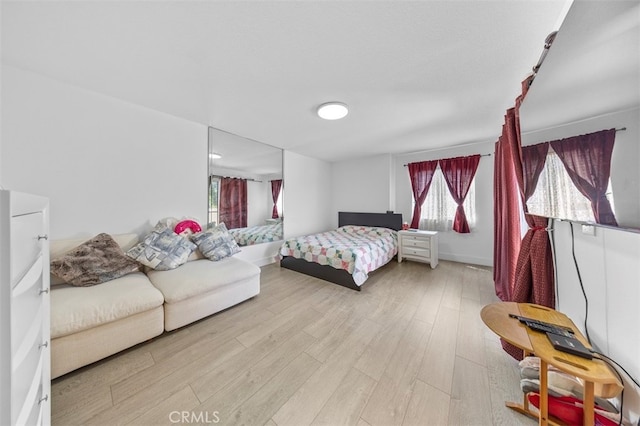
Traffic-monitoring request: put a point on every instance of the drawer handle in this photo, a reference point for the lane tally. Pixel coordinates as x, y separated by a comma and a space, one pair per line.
43, 237
44, 290
43, 345
43, 399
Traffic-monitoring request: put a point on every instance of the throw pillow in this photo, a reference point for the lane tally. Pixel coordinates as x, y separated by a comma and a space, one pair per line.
162, 250
95, 261
216, 243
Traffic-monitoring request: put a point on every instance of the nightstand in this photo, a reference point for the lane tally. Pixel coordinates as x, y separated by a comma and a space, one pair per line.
421, 246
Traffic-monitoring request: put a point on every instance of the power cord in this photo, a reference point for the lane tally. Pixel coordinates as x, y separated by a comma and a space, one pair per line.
609, 361
584, 293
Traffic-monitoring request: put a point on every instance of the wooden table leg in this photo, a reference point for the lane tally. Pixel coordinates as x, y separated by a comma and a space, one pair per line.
587, 408
544, 395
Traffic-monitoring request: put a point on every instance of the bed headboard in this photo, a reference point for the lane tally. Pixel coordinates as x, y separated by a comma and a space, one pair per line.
386, 220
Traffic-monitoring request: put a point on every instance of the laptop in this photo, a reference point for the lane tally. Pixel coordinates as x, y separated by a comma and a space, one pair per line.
570, 345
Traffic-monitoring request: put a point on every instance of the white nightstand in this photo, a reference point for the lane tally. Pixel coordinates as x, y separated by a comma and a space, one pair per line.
421, 246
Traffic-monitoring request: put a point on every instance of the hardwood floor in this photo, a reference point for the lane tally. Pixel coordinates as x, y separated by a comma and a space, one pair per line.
409, 349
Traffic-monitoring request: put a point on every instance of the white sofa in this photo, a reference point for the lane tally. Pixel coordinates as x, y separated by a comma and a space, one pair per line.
91, 323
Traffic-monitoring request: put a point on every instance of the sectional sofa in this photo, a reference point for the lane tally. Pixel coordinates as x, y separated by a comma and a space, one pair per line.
91, 323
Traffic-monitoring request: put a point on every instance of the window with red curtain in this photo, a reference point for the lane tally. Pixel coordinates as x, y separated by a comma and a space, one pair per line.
587, 159
276, 186
459, 173
420, 174
233, 202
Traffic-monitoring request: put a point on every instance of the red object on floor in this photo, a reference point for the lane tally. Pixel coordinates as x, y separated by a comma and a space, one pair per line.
569, 410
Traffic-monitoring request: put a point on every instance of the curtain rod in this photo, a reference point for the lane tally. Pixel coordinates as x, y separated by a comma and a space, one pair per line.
236, 177
481, 155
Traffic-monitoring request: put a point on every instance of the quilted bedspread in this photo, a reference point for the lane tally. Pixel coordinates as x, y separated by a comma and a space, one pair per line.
257, 234
356, 249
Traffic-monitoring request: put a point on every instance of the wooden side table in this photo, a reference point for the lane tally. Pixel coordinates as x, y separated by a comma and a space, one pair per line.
597, 376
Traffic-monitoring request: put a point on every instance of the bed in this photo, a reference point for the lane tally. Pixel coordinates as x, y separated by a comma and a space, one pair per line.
257, 234
332, 255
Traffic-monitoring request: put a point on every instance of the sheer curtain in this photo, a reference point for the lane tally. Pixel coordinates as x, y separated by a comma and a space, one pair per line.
439, 208
556, 196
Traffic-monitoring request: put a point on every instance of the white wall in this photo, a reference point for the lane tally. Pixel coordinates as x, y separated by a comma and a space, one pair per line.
307, 196
257, 206
477, 246
106, 165
609, 264
362, 185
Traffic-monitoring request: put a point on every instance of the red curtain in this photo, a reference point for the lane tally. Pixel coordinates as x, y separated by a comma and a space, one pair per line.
421, 175
587, 159
276, 185
233, 202
533, 159
458, 173
534, 281
523, 269
506, 209
506, 204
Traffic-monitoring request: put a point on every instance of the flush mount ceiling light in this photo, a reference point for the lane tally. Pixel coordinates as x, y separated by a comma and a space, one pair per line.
214, 156
333, 110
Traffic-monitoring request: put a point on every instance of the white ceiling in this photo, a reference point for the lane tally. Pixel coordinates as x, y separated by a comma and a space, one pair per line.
417, 75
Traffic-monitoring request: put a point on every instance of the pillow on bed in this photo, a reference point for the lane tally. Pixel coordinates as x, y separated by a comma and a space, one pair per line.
216, 243
95, 261
162, 250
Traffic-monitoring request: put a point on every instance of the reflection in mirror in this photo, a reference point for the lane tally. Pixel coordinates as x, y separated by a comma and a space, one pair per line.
580, 123
245, 188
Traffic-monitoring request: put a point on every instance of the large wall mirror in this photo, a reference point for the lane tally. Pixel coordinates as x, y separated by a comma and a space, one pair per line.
589, 83
246, 189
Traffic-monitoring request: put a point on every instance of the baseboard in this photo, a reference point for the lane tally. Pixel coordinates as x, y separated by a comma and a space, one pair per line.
474, 260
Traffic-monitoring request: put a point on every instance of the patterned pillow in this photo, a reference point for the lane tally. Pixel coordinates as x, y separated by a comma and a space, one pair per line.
216, 243
95, 261
162, 250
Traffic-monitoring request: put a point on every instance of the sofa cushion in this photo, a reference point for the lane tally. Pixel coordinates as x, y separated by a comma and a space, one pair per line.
75, 309
162, 250
95, 261
201, 276
216, 243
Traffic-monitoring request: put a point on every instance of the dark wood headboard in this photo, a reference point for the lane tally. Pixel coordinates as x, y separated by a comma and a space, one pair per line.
385, 220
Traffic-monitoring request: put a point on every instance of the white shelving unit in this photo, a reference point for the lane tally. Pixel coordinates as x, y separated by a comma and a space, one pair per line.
25, 378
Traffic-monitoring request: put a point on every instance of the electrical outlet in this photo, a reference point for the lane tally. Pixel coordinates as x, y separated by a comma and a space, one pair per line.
589, 230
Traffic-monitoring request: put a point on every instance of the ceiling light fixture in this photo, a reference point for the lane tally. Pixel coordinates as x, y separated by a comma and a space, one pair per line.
333, 110
214, 156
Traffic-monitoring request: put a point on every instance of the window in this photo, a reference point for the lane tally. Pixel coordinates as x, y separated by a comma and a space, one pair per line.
214, 199
439, 208
279, 204
557, 196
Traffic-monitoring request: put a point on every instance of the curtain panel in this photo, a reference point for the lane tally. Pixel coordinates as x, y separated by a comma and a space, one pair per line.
233, 202
276, 185
421, 175
506, 210
459, 173
532, 273
587, 159
534, 281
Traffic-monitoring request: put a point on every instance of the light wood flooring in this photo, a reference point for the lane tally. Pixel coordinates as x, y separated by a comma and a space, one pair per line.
409, 349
